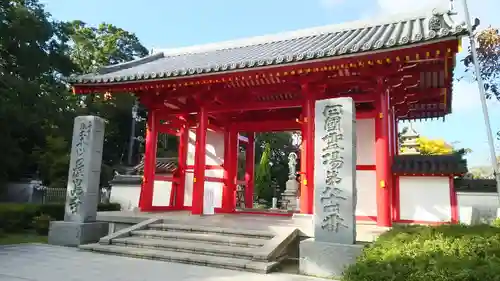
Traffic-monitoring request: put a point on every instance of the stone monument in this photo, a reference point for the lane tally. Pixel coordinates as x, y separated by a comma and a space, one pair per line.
290, 193
333, 247
79, 225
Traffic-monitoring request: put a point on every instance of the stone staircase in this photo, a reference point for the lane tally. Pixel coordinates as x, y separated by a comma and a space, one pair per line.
240, 249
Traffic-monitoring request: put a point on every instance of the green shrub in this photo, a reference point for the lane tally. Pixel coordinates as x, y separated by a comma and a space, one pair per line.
41, 224
496, 222
109, 207
423, 253
19, 217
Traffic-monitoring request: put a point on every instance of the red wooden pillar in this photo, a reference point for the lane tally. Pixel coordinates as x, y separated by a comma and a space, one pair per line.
303, 166
455, 218
230, 171
146, 195
250, 170
392, 150
227, 163
199, 164
307, 193
233, 169
183, 141
382, 159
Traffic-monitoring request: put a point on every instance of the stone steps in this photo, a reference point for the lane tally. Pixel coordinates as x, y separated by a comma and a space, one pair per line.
241, 249
186, 246
182, 257
208, 238
213, 229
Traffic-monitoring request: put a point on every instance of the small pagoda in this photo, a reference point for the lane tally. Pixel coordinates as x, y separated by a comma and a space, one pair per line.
409, 141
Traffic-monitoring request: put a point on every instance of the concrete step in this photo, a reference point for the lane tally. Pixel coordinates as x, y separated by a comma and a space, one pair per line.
186, 247
212, 229
208, 238
189, 258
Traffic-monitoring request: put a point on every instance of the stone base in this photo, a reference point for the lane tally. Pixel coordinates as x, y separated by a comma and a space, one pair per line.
65, 233
327, 260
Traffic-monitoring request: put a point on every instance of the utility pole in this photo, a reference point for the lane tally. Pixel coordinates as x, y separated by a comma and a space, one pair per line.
482, 96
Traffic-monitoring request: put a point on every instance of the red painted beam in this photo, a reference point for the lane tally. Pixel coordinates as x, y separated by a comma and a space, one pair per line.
255, 106
366, 114
269, 126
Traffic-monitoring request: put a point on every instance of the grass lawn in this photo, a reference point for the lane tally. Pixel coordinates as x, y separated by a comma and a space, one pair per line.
20, 238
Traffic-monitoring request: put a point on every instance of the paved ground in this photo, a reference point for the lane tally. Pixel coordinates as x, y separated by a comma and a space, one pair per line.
36, 262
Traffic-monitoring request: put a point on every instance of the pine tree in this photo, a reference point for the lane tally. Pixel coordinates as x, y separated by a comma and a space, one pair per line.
263, 187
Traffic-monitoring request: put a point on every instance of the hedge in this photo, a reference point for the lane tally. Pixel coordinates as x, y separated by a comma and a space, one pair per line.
18, 217
425, 253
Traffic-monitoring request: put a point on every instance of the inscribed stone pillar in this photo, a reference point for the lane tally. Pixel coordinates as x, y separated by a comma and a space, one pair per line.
335, 171
332, 247
79, 225
85, 169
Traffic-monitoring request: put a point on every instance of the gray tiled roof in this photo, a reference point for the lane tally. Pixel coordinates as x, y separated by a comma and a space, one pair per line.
291, 47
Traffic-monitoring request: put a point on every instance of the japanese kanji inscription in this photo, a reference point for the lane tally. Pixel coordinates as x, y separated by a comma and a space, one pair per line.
85, 168
335, 171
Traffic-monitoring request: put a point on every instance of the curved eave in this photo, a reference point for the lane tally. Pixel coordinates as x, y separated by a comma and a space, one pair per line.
361, 56
308, 47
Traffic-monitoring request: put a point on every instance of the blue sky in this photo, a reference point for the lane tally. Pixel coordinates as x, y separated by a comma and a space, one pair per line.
169, 23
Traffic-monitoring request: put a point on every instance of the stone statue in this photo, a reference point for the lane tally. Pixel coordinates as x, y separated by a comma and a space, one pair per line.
296, 139
292, 165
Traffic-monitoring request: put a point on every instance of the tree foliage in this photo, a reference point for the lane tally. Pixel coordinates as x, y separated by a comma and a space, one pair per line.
280, 145
33, 98
36, 109
433, 147
263, 175
93, 48
488, 51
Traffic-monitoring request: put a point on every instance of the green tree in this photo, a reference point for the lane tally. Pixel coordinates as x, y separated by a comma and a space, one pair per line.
488, 51
36, 109
96, 47
33, 98
280, 146
263, 179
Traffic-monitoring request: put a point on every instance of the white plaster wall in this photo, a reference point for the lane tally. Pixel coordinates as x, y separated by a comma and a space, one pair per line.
216, 188
478, 199
161, 193
126, 195
214, 156
188, 190
365, 142
425, 199
214, 148
219, 173
485, 204
366, 204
